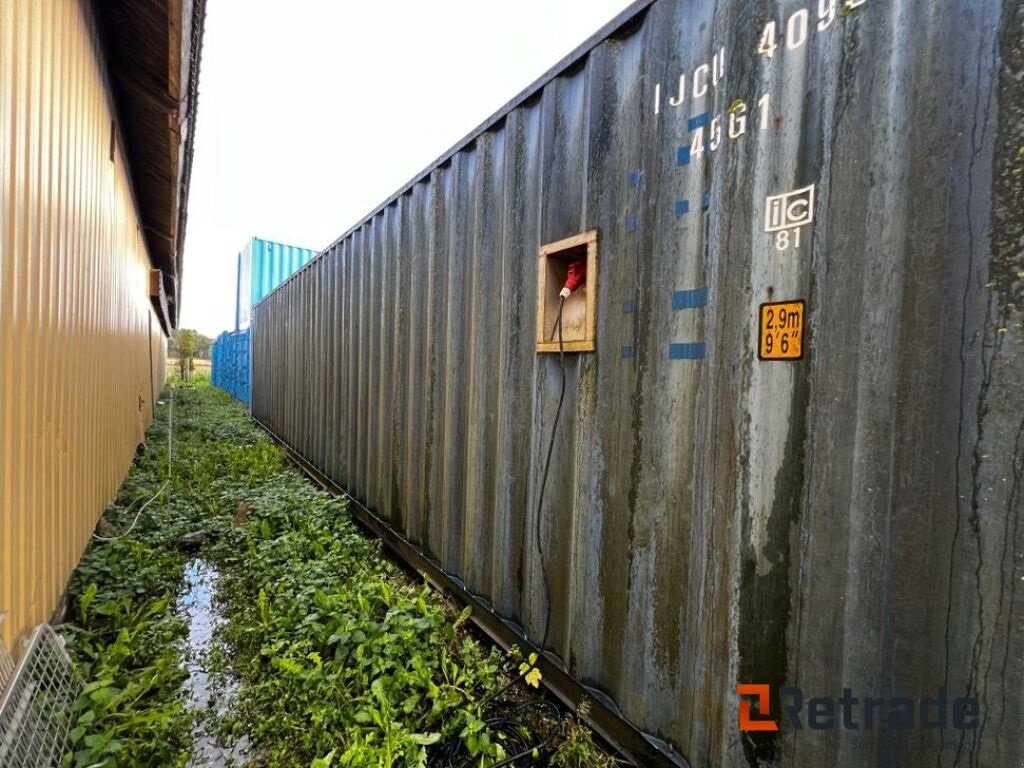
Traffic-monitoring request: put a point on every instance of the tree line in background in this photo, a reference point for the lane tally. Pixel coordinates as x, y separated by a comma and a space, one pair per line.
196, 343
186, 345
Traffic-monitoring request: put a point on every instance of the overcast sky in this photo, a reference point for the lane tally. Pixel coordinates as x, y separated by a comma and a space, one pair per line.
312, 112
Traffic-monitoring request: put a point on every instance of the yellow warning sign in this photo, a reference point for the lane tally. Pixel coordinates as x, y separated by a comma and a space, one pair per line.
782, 330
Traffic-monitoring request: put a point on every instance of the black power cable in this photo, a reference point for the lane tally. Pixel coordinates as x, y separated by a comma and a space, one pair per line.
512, 725
544, 478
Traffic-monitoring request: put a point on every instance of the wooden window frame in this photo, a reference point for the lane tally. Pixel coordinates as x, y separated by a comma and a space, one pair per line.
547, 292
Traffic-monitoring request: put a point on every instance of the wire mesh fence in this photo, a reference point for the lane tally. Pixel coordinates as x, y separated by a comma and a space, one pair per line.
6, 660
35, 707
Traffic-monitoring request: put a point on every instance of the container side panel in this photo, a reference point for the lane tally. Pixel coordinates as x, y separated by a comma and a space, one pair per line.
262, 266
838, 510
231, 361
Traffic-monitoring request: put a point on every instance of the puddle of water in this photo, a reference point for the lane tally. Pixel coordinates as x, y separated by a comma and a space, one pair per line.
196, 606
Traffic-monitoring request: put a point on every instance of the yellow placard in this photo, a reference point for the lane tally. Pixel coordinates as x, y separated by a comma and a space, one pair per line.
781, 330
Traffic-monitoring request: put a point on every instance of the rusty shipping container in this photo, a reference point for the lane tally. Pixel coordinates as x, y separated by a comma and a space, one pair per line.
90, 234
794, 456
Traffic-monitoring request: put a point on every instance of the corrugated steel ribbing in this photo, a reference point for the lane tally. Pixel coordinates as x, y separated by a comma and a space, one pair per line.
230, 364
82, 354
262, 266
851, 520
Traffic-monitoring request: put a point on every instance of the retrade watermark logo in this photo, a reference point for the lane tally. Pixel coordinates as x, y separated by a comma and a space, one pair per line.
762, 694
853, 712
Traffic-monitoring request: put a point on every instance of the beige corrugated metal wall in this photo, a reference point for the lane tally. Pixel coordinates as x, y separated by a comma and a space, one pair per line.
80, 350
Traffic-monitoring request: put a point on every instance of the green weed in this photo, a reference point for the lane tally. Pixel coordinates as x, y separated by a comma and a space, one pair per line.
342, 660
577, 748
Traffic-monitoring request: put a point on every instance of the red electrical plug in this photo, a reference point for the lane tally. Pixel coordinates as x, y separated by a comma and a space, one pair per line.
577, 276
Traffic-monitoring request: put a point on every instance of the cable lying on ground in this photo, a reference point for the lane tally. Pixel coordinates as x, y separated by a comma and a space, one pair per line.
160, 490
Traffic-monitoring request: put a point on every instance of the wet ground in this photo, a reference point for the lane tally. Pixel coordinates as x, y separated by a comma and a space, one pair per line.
211, 696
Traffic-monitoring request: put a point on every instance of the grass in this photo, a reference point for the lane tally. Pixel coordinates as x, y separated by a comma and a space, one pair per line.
342, 659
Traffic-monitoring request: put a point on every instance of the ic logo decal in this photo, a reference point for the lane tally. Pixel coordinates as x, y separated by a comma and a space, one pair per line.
789, 210
785, 214
762, 692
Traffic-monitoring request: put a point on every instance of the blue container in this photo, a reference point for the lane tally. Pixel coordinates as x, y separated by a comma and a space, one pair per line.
232, 369
262, 266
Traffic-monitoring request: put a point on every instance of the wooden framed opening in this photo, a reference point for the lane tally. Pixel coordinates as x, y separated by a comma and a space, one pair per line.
579, 316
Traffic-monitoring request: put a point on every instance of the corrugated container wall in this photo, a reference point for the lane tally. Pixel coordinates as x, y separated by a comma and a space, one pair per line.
231, 370
851, 519
262, 266
81, 351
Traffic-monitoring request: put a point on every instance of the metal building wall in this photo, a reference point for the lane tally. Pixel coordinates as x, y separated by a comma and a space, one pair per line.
850, 520
81, 353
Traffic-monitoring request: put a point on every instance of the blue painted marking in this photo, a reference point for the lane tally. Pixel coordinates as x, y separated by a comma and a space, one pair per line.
707, 201
682, 206
627, 351
634, 178
628, 307
692, 299
631, 223
700, 121
692, 351
683, 158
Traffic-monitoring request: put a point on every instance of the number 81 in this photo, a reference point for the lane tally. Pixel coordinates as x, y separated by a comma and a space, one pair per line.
783, 238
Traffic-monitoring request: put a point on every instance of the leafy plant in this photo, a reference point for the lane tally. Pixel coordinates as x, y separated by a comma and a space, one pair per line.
578, 750
341, 660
